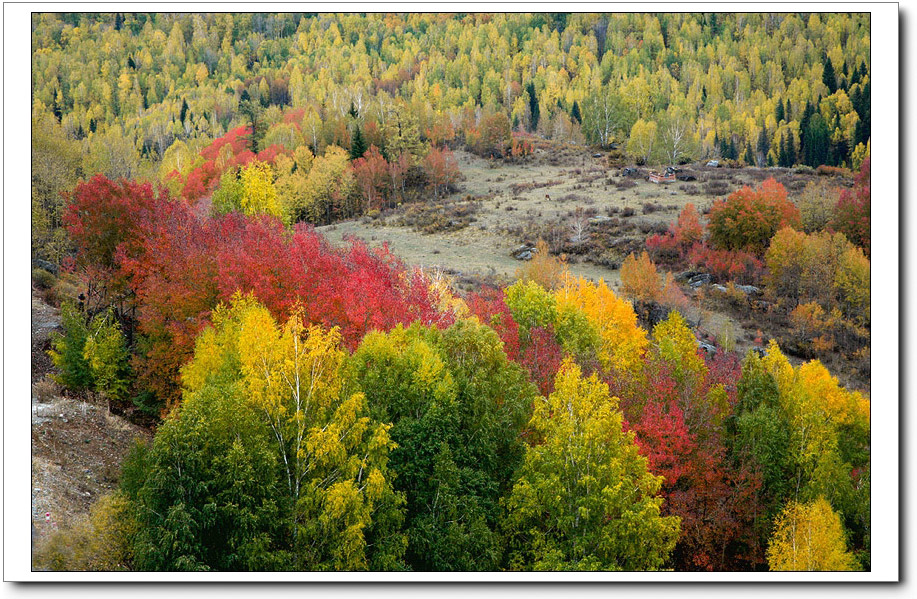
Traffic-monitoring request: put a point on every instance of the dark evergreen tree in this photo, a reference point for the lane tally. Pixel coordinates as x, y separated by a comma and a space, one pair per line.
807, 113
749, 156
763, 147
790, 150
130, 62
817, 141
575, 112
780, 116
357, 144
788, 112
828, 77
533, 106
249, 109
353, 111
119, 21
184, 111
732, 151
840, 152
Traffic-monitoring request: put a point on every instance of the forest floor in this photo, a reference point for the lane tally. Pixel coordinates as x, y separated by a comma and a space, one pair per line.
77, 445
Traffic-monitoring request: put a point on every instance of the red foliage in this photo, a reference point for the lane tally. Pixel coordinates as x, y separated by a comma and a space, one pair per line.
680, 431
237, 139
726, 265
853, 211
441, 168
371, 172
201, 181
542, 358
103, 215
748, 218
490, 306
188, 265
681, 236
271, 152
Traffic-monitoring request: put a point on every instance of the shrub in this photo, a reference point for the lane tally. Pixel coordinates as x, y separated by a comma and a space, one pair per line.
74, 371
106, 354
748, 218
727, 265
816, 206
821, 267
640, 279
544, 269
99, 543
43, 279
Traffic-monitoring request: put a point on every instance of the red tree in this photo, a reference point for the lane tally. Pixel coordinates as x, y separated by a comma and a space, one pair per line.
442, 169
748, 218
371, 172
853, 211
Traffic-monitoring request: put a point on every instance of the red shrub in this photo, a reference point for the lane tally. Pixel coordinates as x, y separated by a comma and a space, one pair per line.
727, 265
748, 218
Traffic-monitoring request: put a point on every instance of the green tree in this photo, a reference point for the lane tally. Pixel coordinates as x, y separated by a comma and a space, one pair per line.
583, 498
358, 145
68, 354
270, 462
457, 407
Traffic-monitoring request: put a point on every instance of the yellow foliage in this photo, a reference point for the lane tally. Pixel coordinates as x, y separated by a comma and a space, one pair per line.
99, 543
678, 346
623, 342
640, 278
543, 268
259, 195
809, 537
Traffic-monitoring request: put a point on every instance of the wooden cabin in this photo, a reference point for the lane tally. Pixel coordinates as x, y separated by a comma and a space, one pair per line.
668, 177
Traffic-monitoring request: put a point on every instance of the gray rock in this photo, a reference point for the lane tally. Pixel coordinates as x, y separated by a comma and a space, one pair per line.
748, 289
720, 288
713, 163
685, 276
44, 264
600, 219
710, 349
699, 280
524, 252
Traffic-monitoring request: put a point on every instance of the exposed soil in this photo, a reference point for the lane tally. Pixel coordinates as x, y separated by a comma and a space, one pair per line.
77, 445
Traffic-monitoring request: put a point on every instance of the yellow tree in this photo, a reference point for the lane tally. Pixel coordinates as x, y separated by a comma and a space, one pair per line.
332, 456
642, 140
584, 499
258, 193
809, 537
622, 341
640, 279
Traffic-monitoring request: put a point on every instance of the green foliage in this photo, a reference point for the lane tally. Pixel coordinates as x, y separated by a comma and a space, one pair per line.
583, 498
43, 279
531, 304
106, 355
68, 354
269, 463
457, 407
228, 196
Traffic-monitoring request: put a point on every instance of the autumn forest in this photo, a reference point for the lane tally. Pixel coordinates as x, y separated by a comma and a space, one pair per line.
451, 292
